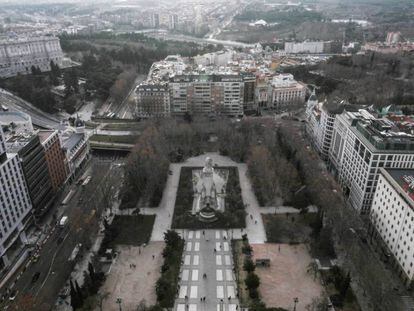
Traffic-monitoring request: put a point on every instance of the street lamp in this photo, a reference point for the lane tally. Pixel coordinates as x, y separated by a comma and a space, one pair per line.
119, 301
295, 301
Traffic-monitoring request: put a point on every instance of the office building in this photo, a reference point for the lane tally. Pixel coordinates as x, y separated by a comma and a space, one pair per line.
361, 145
392, 217
33, 160
15, 206
19, 55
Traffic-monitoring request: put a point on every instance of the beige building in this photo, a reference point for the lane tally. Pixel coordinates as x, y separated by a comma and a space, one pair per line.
284, 90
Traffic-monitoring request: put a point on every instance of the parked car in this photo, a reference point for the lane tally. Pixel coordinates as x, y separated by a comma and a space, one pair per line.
35, 277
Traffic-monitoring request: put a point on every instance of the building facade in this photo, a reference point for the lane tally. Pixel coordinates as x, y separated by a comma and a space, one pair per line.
55, 158
32, 157
392, 217
15, 206
284, 90
153, 100
18, 55
76, 148
361, 145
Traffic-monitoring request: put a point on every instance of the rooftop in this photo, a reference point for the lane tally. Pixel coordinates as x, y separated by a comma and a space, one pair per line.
405, 179
44, 135
71, 141
7, 117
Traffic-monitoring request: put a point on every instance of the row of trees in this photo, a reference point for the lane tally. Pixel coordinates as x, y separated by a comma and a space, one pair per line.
81, 297
256, 143
167, 284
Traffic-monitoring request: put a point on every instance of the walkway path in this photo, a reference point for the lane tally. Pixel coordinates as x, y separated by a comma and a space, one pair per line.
207, 253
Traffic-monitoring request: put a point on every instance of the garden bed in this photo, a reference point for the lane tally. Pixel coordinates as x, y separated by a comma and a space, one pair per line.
234, 215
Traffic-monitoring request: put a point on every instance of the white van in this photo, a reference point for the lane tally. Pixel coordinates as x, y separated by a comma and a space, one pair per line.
63, 221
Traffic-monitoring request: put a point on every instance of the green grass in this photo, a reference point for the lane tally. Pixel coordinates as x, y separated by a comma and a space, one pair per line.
120, 139
289, 228
129, 126
131, 230
234, 215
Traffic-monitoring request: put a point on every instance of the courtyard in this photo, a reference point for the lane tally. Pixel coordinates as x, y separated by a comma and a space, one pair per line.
287, 277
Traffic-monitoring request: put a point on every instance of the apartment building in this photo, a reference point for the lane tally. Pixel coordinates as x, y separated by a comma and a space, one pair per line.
392, 216
76, 147
18, 55
313, 47
361, 145
15, 206
153, 100
204, 94
55, 157
33, 160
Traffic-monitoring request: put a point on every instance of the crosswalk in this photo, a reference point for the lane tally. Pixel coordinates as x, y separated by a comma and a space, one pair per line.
207, 280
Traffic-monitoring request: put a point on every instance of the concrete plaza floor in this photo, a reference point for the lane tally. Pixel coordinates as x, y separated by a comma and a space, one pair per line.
287, 277
207, 271
133, 284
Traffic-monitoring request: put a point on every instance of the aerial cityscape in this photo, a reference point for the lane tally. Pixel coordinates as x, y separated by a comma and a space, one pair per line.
207, 155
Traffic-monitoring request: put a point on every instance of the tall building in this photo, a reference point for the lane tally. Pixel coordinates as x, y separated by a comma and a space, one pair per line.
320, 117
33, 160
15, 206
172, 21
361, 145
392, 216
55, 158
155, 20
18, 55
284, 90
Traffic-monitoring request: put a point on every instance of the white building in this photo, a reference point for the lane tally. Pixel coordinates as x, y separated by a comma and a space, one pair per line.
15, 206
221, 58
284, 90
172, 21
16, 121
361, 145
312, 47
392, 216
18, 55
320, 118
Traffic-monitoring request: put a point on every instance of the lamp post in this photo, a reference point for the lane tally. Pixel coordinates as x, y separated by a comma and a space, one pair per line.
295, 301
119, 301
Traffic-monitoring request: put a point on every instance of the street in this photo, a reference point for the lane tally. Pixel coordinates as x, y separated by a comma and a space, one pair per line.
52, 266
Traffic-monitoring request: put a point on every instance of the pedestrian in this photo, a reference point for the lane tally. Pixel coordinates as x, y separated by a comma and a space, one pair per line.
225, 238
204, 233
215, 250
204, 298
279, 248
229, 298
201, 298
153, 256
255, 222
251, 216
186, 297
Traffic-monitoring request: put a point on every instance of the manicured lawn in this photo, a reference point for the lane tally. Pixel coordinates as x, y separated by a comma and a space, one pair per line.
233, 216
289, 228
124, 126
131, 230
121, 139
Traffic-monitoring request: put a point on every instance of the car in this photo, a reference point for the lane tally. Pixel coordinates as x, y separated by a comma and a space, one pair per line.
35, 277
13, 295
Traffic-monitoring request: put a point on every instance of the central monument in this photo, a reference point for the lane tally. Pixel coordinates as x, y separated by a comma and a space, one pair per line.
209, 186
